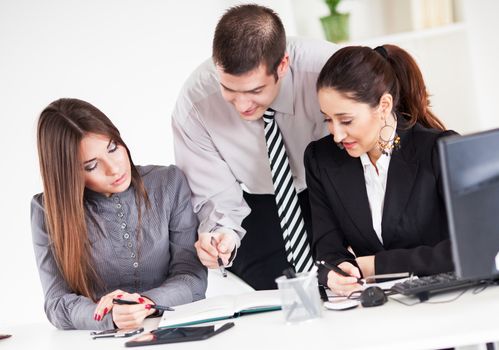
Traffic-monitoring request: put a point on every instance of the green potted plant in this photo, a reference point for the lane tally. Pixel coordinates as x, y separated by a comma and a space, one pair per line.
336, 24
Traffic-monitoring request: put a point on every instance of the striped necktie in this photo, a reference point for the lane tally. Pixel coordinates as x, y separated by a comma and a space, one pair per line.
293, 228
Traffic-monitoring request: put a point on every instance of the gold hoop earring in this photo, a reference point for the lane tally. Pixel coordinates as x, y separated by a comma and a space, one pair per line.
388, 146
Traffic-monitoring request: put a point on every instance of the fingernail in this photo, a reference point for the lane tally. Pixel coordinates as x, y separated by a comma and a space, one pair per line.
148, 306
105, 311
98, 317
119, 296
95, 317
222, 247
141, 300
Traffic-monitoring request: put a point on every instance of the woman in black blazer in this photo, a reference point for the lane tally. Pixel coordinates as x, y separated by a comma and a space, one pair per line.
374, 183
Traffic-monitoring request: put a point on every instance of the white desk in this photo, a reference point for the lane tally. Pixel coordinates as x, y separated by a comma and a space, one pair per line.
472, 319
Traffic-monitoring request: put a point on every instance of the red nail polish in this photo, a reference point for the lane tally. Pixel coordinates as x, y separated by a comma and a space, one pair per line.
148, 306
105, 311
119, 296
141, 300
98, 317
95, 317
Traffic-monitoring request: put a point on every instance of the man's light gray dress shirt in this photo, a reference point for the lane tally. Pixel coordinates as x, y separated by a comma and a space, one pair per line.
222, 154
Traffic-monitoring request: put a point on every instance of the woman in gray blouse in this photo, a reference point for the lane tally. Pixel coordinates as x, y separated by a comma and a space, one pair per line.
104, 228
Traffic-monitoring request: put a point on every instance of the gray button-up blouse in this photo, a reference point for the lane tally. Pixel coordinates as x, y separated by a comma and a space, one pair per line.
161, 263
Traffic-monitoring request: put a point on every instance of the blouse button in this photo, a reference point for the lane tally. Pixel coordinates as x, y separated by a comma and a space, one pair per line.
126, 236
135, 264
123, 225
120, 214
116, 199
118, 205
129, 244
132, 255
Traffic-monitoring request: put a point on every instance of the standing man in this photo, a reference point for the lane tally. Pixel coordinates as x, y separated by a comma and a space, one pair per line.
241, 125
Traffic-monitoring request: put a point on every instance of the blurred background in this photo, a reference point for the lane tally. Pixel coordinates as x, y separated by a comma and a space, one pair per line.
131, 57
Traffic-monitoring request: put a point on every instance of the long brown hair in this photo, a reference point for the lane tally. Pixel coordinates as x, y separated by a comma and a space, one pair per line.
61, 127
366, 74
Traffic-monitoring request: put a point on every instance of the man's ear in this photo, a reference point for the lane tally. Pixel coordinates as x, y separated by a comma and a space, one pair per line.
283, 66
386, 104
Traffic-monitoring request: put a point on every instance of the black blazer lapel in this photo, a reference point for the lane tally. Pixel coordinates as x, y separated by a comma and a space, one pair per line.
402, 173
348, 181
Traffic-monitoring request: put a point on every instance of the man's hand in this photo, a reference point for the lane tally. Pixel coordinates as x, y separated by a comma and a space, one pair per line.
223, 245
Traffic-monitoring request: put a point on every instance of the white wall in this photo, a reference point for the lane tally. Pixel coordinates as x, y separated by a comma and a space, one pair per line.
130, 58
451, 86
483, 26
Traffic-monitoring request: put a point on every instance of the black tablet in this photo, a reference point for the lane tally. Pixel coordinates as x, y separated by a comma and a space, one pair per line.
178, 334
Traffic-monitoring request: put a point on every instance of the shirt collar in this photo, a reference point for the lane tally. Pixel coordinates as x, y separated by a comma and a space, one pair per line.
364, 159
382, 163
283, 103
100, 198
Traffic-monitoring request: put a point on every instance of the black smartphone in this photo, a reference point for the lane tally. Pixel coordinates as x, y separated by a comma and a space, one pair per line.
178, 334
116, 333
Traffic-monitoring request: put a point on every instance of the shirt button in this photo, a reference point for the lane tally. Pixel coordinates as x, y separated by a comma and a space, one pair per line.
126, 236
118, 205
132, 255
129, 244
123, 225
120, 214
116, 199
135, 264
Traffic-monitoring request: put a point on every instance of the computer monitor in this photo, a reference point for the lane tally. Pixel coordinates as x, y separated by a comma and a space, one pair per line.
470, 173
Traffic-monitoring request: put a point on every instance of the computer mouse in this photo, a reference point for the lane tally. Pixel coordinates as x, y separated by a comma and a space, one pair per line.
373, 296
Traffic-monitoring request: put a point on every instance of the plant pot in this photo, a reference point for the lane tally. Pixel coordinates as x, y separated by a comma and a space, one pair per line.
336, 27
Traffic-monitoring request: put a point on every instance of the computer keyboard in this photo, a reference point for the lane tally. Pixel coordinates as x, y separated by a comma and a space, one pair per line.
422, 287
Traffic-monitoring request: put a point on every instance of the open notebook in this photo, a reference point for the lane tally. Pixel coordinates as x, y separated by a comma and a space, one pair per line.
221, 307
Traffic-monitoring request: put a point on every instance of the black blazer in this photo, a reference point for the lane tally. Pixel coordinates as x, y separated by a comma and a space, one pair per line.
414, 222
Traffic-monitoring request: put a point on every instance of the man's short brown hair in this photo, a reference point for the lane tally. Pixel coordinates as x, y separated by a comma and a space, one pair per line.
247, 36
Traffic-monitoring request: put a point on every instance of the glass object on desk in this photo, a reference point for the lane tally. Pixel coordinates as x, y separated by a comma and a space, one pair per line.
300, 297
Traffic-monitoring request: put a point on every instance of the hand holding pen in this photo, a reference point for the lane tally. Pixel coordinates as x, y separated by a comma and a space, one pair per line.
215, 247
123, 316
130, 310
343, 287
368, 279
220, 263
345, 279
147, 306
341, 271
